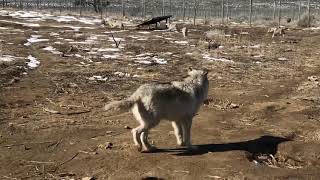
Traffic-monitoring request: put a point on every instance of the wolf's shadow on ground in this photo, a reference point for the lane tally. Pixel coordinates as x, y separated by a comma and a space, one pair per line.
261, 145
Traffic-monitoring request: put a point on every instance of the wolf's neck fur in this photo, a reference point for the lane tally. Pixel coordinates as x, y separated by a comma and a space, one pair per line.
194, 85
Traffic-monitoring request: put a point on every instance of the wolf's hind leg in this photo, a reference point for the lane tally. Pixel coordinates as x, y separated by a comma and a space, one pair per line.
145, 143
136, 137
178, 132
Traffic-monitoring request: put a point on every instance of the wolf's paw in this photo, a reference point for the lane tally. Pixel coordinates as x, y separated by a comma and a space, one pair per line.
139, 148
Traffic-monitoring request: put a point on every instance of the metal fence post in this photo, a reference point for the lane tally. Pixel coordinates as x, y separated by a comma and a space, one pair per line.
222, 11
250, 17
279, 18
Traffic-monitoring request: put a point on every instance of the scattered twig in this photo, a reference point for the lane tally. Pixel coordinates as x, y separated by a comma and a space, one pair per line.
117, 43
40, 162
7, 177
23, 144
74, 156
77, 112
51, 111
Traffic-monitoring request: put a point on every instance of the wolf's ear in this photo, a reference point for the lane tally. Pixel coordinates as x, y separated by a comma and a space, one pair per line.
190, 68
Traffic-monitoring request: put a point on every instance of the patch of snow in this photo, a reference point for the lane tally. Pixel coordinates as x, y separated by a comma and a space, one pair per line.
6, 58
144, 32
181, 42
144, 54
143, 62
211, 59
98, 78
33, 63
282, 59
34, 39
255, 46
108, 49
107, 56
122, 74
54, 34
159, 60
244, 33
52, 50
111, 32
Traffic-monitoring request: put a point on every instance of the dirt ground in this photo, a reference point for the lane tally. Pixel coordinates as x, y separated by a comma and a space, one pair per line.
261, 122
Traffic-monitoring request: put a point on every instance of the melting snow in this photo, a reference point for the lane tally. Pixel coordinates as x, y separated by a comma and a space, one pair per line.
98, 78
211, 59
52, 50
34, 39
121, 74
108, 49
181, 42
144, 32
6, 58
110, 56
33, 63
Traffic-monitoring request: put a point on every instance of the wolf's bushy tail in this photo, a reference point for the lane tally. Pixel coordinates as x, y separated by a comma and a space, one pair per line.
119, 106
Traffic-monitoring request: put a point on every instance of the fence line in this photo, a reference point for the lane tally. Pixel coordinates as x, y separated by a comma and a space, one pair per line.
236, 10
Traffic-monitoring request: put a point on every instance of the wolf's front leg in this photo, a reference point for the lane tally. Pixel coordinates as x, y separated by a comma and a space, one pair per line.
186, 138
178, 132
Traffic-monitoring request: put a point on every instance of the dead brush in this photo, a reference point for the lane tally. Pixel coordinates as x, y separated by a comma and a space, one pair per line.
305, 22
277, 161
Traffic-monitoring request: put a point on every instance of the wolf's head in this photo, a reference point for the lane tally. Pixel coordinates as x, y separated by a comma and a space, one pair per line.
199, 79
198, 73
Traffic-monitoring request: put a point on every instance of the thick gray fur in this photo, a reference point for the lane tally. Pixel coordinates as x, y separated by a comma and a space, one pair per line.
178, 102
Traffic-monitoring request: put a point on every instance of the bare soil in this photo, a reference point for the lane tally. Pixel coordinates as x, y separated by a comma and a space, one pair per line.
261, 120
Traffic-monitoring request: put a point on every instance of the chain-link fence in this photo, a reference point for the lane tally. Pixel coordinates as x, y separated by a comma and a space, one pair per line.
226, 10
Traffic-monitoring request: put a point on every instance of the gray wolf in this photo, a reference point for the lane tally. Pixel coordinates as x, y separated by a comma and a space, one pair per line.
277, 31
177, 101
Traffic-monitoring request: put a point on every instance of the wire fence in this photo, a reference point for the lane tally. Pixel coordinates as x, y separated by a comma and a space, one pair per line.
226, 10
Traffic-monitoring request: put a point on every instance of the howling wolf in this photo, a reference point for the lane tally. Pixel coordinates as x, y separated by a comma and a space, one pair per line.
177, 101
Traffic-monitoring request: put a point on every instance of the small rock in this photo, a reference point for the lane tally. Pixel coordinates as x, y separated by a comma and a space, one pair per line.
233, 106
108, 132
127, 127
313, 78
